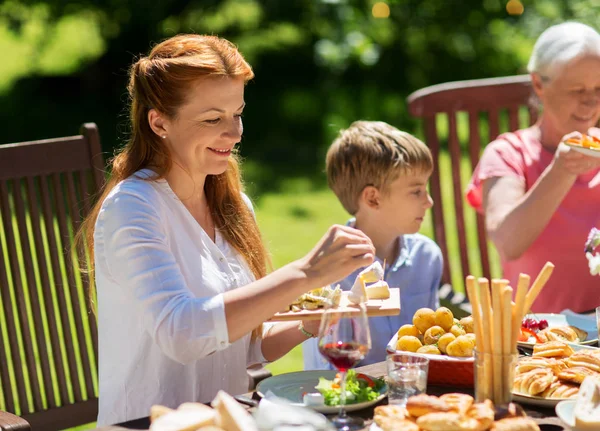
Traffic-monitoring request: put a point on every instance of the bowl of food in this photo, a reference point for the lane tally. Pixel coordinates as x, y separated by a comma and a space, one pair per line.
447, 342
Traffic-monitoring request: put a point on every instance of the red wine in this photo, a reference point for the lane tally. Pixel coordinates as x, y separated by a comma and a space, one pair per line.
343, 356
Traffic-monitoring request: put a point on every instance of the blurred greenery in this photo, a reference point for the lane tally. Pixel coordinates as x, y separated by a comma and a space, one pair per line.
320, 64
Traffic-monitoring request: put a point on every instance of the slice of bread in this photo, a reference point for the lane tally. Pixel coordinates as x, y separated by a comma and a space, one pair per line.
231, 415
587, 406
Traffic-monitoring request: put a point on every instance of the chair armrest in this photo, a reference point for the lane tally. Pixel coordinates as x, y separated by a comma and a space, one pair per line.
256, 374
10, 422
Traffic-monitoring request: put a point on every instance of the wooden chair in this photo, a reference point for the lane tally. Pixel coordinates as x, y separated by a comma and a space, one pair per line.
500, 104
48, 369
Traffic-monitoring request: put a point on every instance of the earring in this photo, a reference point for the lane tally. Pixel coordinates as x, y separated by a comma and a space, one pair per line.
164, 136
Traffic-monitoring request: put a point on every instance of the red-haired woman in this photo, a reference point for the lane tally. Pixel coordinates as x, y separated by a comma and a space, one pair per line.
180, 267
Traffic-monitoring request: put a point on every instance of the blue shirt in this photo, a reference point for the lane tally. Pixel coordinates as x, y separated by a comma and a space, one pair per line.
417, 272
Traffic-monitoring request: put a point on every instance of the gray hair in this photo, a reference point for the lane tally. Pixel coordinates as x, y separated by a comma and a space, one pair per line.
561, 44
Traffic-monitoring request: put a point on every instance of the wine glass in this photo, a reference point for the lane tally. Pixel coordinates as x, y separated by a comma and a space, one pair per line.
344, 340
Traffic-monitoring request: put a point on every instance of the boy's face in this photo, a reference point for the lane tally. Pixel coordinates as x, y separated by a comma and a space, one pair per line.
401, 210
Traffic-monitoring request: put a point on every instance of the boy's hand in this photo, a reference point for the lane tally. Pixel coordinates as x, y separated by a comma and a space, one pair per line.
341, 251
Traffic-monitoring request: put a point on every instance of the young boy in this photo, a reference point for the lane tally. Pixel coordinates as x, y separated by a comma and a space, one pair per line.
380, 176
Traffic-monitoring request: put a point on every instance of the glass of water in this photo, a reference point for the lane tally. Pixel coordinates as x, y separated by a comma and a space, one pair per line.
407, 376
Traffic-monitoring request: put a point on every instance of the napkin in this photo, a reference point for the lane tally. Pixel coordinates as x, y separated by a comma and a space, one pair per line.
277, 414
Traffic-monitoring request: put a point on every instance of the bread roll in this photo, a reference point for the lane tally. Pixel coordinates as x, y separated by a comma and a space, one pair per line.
231, 415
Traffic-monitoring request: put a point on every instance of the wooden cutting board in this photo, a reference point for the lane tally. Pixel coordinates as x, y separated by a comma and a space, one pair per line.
375, 307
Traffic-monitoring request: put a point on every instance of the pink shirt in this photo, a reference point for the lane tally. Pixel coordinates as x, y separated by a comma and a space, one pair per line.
521, 155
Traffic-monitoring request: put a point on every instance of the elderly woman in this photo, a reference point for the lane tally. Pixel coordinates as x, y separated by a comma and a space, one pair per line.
540, 198
180, 267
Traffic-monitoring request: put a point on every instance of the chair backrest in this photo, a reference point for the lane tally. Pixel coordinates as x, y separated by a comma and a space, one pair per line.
455, 118
48, 336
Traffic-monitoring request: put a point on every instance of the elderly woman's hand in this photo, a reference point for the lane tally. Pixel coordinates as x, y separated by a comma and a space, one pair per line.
341, 251
572, 162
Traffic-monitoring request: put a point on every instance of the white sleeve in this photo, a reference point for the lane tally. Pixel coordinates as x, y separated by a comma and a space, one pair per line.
130, 237
255, 355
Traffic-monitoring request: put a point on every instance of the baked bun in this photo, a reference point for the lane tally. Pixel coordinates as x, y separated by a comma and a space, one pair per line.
158, 411
552, 349
442, 421
231, 415
586, 358
529, 363
576, 374
534, 382
483, 413
390, 411
559, 390
187, 419
460, 403
559, 333
515, 424
390, 424
422, 404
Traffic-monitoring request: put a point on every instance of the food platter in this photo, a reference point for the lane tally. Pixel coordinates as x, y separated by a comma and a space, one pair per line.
556, 320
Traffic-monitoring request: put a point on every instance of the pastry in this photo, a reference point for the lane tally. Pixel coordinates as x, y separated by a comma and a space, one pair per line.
552, 349
460, 403
515, 424
530, 363
483, 413
534, 382
581, 334
184, 420
576, 374
391, 424
231, 415
560, 390
157, 411
422, 404
587, 406
586, 358
558, 333
390, 411
443, 421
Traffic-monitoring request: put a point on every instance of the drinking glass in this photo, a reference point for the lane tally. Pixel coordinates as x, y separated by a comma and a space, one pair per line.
344, 340
407, 376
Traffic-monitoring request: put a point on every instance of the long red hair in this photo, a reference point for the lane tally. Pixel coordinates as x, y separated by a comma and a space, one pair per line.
161, 81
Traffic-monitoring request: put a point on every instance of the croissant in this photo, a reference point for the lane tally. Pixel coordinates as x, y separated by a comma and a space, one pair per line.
483, 413
576, 374
530, 363
560, 390
423, 404
559, 333
458, 402
534, 382
586, 358
552, 349
515, 424
391, 424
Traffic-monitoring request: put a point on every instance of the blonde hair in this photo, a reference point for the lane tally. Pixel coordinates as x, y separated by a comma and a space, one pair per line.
372, 153
161, 81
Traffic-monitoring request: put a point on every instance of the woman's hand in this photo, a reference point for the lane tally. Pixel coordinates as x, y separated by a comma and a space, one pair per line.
572, 162
341, 251
312, 326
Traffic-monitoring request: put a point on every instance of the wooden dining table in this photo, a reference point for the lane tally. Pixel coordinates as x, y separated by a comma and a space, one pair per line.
545, 417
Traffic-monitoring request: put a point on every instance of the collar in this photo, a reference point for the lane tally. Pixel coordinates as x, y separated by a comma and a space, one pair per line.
403, 250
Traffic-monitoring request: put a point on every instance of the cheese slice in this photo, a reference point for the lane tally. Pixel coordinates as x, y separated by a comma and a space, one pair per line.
587, 406
372, 273
379, 290
231, 416
358, 293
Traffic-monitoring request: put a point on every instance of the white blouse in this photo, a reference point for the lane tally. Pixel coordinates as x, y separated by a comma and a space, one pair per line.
160, 280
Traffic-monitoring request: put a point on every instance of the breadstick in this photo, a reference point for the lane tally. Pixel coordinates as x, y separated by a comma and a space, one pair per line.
507, 346
476, 306
519, 308
488, 335
538, 284
497, 348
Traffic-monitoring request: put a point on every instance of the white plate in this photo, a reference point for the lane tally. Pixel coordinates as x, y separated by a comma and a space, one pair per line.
583, 150
565, 411
292, 386
537, 401
391, 348
562, 320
